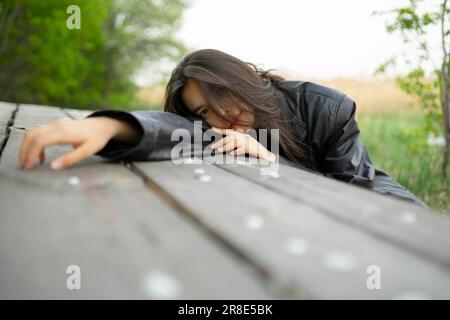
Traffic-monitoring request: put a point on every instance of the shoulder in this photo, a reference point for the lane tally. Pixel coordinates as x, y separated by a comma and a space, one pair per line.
310, 89
320, 109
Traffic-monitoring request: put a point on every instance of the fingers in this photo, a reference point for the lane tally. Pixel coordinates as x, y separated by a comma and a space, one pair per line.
42, 157
233, 139
239, 143
219, 130
87, 137
28, 139
219, 144
38, 145
83, 151
239, 151
226, 144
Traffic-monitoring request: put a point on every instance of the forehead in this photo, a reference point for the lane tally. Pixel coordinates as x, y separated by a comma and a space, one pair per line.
192, 95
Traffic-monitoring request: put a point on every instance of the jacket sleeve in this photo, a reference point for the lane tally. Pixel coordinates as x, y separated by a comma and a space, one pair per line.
344, 155
163, 136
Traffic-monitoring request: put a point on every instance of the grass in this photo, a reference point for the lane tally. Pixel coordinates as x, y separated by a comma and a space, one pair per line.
373, 96
398, 146
152, 97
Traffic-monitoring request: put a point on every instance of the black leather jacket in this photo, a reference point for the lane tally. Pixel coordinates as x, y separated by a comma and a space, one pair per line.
324, 118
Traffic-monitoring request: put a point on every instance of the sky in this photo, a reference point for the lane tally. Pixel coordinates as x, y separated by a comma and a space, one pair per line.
306, 38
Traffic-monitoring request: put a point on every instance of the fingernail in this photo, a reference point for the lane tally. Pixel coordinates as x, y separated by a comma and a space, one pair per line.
56, 164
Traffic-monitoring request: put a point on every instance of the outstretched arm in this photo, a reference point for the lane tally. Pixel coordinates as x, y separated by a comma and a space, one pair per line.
116, 135
158, 133
86, 136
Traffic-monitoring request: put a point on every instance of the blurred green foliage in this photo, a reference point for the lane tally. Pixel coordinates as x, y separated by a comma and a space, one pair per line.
43, 62
414, 22
398, 145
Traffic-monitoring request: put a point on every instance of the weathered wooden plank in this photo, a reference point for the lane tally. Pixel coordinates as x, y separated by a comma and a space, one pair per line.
6, 114
301, 249
76, 113
422, 231
6, 111
127, 241
27, 117
35, 115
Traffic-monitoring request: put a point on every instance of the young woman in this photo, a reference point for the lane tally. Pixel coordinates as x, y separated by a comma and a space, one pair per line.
317, 126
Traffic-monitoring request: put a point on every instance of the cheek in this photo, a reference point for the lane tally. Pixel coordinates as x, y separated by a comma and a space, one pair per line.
216, 121
250, 118
247, 118
234, 111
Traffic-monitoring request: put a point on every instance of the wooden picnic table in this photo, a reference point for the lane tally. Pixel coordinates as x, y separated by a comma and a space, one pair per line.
157, 230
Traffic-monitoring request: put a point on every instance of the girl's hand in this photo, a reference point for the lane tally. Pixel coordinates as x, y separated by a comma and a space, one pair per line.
87, 136
243, 143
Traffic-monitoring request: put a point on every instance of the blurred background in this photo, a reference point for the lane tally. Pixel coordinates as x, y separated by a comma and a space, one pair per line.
390, 56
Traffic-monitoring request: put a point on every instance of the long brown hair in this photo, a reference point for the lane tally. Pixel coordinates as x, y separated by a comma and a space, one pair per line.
226, 80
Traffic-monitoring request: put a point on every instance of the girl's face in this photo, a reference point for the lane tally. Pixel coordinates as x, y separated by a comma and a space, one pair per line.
194, 100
